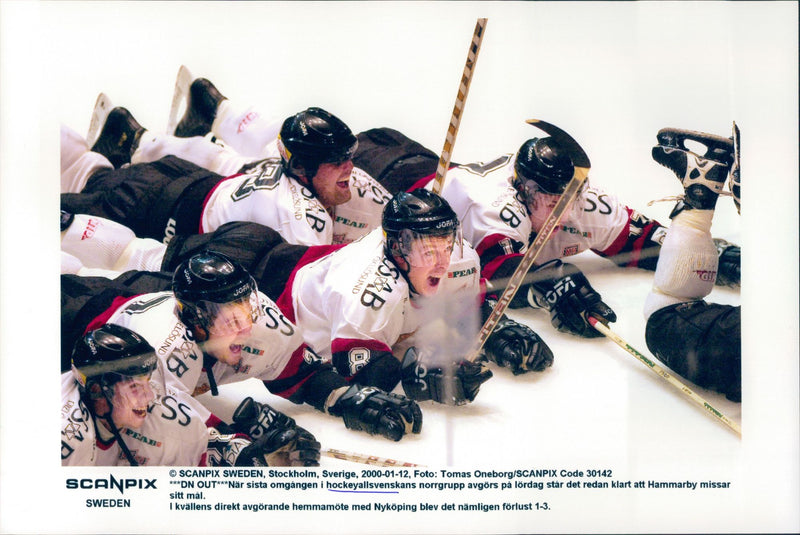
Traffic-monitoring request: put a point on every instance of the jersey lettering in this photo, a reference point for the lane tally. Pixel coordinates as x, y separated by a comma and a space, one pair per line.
509, 216
370, 297
591, 206
314, 221
170, 412
276, 319
176, 365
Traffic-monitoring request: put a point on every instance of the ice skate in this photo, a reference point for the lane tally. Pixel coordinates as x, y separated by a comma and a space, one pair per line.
119, 137
201, 109
702, 176
735, 181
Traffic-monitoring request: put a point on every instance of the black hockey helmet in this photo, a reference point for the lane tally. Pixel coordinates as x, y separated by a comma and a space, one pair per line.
542, 165
109, 354
313, 137
207, 281
411, 216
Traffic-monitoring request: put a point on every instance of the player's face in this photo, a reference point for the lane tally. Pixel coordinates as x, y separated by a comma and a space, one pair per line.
428, 261
540, 207
232, 325
132, 396
332, 183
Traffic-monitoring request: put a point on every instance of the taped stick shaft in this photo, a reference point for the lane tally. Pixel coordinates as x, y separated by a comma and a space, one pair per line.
658, 370
458, 108
364, 459
517, 279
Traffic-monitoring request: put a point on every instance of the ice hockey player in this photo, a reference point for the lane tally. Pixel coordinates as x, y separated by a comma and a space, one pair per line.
698, 340
308, 189
117, 410
214, 327
503, 203
356, 303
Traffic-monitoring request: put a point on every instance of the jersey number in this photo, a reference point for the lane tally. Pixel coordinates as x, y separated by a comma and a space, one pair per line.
268, 177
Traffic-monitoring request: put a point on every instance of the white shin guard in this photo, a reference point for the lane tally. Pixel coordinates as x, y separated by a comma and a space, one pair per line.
687, 263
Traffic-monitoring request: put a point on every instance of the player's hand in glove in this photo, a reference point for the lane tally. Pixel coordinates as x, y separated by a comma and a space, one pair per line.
564, 290
240, 450
456, 384
514, 345
375, 411
259, 420
729, 271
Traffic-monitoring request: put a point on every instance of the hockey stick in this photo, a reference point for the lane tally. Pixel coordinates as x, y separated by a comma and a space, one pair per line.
364, 459
182, 82
580, 174
600, 326
458, 108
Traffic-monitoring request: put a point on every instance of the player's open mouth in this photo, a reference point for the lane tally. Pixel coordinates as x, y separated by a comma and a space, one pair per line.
235, 348
434, 281
343, 183
140, 413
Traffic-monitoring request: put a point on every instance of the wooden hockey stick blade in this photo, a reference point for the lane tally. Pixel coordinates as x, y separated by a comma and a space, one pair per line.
458, 108
668, 377
102, 107
364, 459
576, 152
515, 282
180, 94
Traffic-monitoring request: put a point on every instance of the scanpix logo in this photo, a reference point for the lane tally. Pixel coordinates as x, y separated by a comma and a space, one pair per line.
111, 482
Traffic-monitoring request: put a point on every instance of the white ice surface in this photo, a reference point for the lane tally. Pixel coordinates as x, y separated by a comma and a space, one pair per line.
611, 74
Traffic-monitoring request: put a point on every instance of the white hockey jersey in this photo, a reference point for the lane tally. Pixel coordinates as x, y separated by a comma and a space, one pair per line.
357, 297
487, 205
173, 433
273, 344
265, 195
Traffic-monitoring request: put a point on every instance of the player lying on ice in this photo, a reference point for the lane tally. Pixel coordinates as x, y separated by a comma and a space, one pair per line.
176, 185
502, 205
117, 410
212, 326
698, 340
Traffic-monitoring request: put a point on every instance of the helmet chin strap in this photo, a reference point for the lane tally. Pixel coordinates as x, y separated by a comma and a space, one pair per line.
208, 364
108, 420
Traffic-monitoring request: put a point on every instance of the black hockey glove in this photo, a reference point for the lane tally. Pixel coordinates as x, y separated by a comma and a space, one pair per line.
457, 385
565, 291
729, 270
514, 345
375, 411
259, 420
240, 450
